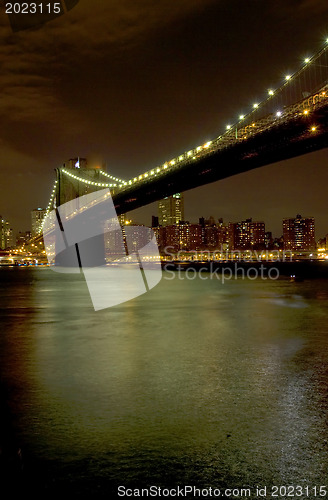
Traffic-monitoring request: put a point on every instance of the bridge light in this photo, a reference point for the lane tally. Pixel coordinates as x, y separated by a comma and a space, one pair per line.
306, 112
189, 153
313, 129
165, 165
172, 162
288, 77
241, 117
146, 175
228, 127
270, 92
255, 105
278, 113
158, 170
307, 60
207, 145
180, 158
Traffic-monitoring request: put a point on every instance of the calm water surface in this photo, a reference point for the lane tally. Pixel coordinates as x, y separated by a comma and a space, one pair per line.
193, 383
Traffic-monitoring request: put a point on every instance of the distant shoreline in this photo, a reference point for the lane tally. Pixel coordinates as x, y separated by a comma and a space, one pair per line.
305, 269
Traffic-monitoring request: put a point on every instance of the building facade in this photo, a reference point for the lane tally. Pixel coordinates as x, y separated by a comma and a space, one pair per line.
37, 216
246, 235
6, 235
299, 233
171, 210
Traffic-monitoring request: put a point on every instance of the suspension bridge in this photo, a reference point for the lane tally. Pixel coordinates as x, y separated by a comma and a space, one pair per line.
290, 120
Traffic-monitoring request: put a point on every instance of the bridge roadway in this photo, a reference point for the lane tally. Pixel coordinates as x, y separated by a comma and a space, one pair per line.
299, 129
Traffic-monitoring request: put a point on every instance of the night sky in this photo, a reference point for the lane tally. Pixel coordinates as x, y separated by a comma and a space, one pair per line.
135, 83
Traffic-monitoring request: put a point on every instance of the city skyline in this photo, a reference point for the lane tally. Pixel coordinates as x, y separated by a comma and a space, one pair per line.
179, 94
36, 225
297, 232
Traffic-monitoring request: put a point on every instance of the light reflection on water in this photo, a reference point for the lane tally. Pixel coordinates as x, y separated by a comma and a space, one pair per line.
193, 383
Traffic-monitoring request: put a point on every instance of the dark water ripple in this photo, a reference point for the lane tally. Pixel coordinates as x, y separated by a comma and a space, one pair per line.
193, 383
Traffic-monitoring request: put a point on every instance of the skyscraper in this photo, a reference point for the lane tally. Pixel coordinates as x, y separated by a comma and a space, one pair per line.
299, 233
37, 216
171, 210
6, 234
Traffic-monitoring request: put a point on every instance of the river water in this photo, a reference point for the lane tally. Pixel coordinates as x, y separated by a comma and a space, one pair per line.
194, 383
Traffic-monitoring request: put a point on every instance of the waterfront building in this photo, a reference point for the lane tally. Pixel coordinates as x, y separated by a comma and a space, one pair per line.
183, 236
211, 237
159, 232
246, 235
215, 234
191, 236
171, 237
299, 233
126, 239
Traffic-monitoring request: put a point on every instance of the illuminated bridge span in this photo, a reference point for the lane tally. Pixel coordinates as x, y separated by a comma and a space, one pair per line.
291, 120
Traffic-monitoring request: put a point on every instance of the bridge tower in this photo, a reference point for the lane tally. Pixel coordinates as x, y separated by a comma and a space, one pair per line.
75, 179
69, 188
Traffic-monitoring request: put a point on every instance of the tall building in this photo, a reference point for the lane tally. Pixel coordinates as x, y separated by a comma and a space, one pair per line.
257, 234
6, 234
171, 210
246, 235
190, 236
299, 233
37, 216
